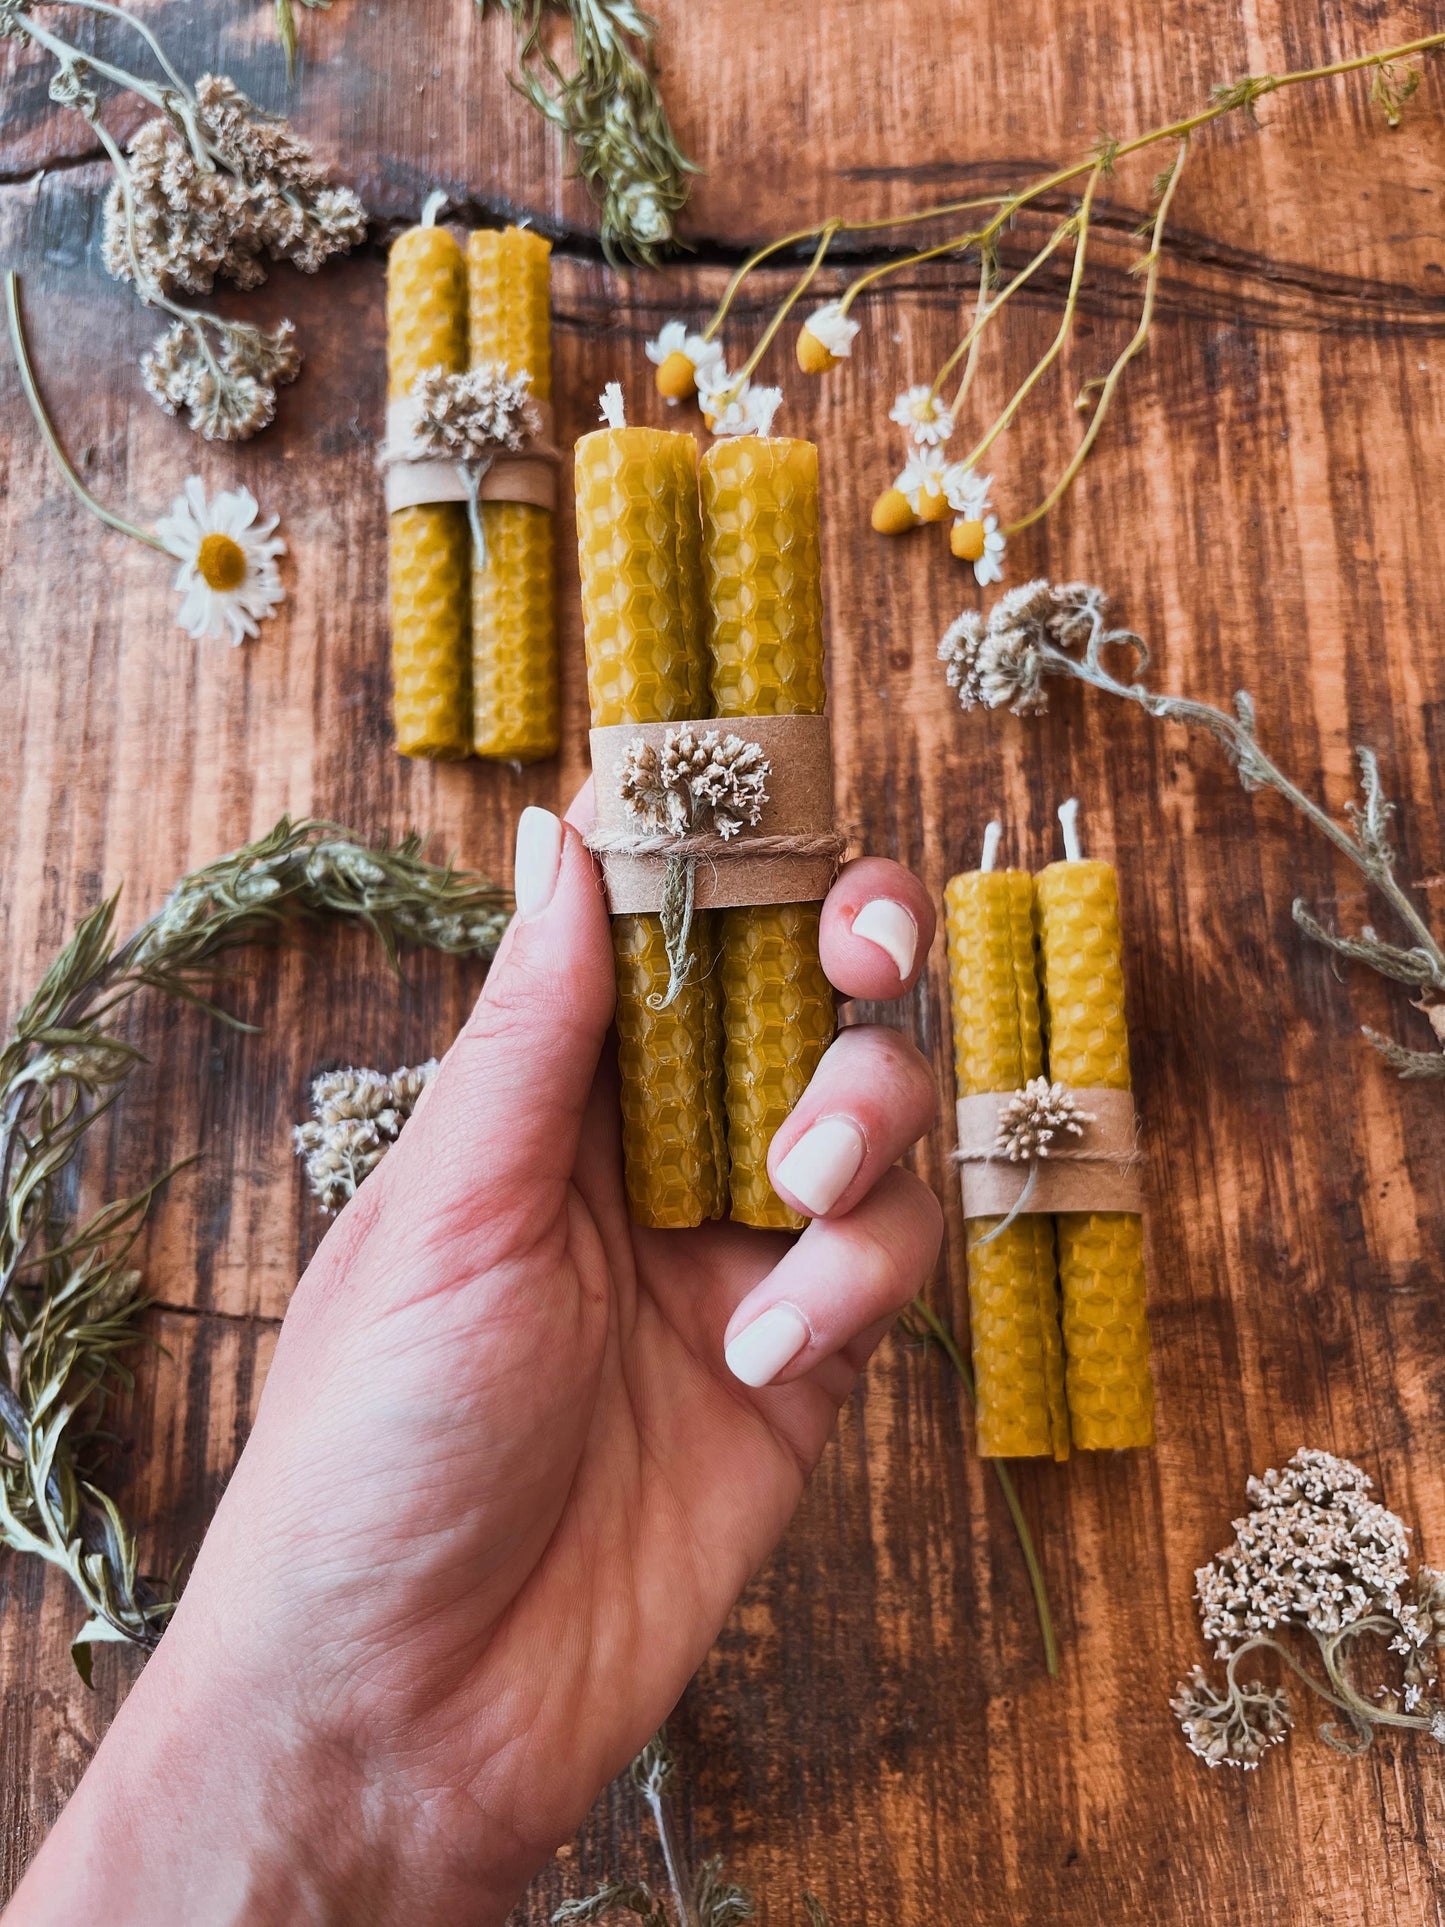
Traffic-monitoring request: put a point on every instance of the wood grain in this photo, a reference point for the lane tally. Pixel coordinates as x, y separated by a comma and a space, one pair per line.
875, 1722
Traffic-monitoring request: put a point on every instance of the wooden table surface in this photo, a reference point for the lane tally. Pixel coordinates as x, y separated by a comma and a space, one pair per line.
876, 1723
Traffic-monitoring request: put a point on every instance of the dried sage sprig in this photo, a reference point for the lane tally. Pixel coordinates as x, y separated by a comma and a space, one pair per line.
610, 110
1314, 1554
69, 1300
1038, 631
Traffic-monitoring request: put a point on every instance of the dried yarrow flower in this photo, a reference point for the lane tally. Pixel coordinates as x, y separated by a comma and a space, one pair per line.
359, 1115
474, 416
697, 782
1035, 1116
229, 390
1315, 1554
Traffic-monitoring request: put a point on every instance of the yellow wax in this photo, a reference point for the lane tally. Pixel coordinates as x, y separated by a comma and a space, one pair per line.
765, 641
515, 702
1013, 1296
426, 327
1101, 1253
638, 549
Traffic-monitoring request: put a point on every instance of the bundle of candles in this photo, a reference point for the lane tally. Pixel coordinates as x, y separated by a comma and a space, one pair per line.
702, 602
1049, 1170
474, 644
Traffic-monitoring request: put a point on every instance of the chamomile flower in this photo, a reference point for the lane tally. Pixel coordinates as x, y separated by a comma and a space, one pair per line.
228, 577
922, 484
827, 337
925, 415
680, 357
979, 540
967, 491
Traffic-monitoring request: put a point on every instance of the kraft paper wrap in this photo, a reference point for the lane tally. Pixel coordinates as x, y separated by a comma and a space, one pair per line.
799, 805
530, 476
1100, 1171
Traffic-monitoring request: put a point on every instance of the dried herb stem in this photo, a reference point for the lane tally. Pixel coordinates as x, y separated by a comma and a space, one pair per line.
52, 441
921, 1313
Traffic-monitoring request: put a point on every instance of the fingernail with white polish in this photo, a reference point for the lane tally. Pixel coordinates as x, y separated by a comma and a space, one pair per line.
892, 928
822, 1164
539, 857
762, 1349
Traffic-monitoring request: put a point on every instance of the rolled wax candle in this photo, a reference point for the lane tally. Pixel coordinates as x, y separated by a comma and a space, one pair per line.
638, 549
426, 328
765, 640
1013, 1294
514, 624
1101, 1253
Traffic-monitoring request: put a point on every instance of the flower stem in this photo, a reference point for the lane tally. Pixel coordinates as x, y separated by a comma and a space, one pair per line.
131, 20
983, 314
52, 442
949, 1345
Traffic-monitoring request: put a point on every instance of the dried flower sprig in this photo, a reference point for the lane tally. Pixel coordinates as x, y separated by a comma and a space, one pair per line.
228, 580
68, 1297
929, 415
1316, 1554
209, 187
922, 1324
1037, 631
609, 110
697, 781
286, 28
706, 1898
357, 1117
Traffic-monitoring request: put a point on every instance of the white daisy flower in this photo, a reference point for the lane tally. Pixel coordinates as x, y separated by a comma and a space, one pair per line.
828, 336
967, 491
722, 397
610, 406
923, 475
228, 577
680, 358
924, 414
981, 541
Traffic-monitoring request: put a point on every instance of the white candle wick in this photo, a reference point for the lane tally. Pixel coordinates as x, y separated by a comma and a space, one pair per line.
1069, 822
432, 206
992, 836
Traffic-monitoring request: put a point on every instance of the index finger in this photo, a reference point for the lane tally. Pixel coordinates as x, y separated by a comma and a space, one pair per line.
877, 925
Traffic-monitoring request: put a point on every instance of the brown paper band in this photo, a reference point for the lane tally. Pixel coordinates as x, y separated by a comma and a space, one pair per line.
791, 857
410, 483
1100, 1171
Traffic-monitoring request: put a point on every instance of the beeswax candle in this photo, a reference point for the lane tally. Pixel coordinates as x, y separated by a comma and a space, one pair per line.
1013, 1297
514, 625
426, 327
638, 549
765, 641
1101, 1253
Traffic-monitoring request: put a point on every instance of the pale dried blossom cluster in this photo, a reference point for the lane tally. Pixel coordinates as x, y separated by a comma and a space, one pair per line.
698, 781
1034, 1117
215, 191
474, 416
359, 1115
1316, 1552
1001, 660
227, 389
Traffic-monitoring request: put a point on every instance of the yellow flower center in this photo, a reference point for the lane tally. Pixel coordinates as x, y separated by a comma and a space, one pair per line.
222, 563
932, 503
813, 357
968, 540
891, 513
922, 410
676, 378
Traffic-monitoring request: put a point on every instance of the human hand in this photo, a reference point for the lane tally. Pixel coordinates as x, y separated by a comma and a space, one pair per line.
503, 1486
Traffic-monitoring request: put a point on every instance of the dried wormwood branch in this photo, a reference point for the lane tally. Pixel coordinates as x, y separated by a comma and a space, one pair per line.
1315, 1553
68, 1298
609, 109
1038, 631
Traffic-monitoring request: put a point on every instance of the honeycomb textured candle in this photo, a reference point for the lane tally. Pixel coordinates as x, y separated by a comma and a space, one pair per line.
765, 640
638, 548
431, 551
1101, 1253
1013, 1294
514, 622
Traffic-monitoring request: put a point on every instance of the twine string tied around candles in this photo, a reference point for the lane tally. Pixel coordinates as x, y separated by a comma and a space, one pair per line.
1078, 1159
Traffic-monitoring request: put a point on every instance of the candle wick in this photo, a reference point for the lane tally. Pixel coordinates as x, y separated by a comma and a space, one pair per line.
1069, 821
991, 838
432, 206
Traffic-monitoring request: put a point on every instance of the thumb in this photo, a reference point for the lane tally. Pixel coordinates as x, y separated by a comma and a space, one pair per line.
497, 1135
